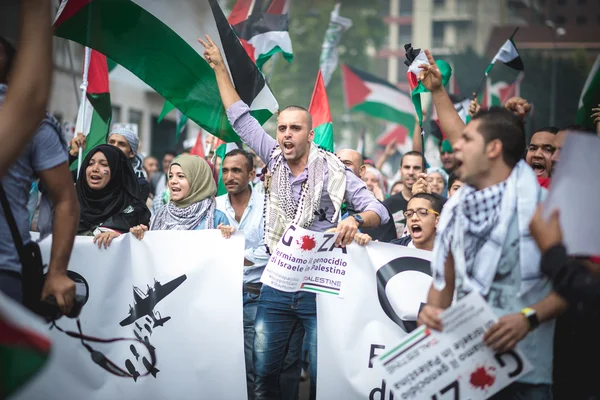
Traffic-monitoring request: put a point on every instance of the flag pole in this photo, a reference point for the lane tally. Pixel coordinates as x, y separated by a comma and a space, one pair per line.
489, 68
81, 115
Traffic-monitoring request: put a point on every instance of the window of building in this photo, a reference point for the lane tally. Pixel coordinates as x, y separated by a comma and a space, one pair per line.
406, 7
405, 34
561, 20
438, 34
581, 20
116, 114
135, 117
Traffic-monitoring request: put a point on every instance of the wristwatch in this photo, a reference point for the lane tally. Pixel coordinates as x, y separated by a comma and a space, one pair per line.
359, 219
532, 318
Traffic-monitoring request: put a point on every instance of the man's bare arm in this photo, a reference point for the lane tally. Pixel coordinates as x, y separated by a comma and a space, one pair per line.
59, 184
213, 56
431, 77
550, 307
443, 298
30, 80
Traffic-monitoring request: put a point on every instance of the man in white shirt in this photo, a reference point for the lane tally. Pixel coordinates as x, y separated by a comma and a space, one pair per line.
244, 209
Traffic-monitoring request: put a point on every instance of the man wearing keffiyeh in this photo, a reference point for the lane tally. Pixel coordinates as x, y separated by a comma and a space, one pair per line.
483, 242
305, 186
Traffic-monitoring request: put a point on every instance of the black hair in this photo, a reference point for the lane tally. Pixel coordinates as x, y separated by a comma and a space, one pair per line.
578, 128
451, 179
10, 52
501, 124
299, 108
239, 152
170, 153
437, 201
413, 153
550, 129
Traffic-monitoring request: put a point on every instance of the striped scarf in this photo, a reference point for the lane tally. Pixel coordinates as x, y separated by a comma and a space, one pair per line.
171, 217
281, 209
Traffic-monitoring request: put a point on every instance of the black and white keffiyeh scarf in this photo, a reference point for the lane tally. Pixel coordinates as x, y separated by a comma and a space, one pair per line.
281, 209
171, 217
474, 226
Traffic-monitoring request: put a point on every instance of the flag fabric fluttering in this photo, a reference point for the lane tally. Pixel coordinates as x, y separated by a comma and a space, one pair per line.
376, 97
415, 58
95, 122
24, 346
145, 28
321, 115
198, 148
329, 52
361, 146
590, 96
262, 28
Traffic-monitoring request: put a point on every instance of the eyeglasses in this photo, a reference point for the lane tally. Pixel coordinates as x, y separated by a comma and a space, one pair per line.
421, 212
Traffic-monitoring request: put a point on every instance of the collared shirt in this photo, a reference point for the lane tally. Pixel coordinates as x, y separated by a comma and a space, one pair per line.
252, 224
357, 194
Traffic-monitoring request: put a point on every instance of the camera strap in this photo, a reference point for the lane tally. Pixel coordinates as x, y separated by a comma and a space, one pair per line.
12, 224
99, 357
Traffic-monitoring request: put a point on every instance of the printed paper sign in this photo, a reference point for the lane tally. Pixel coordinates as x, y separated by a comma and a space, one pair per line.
455, 363
307, 260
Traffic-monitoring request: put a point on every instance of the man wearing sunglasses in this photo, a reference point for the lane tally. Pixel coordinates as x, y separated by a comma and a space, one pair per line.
422, 215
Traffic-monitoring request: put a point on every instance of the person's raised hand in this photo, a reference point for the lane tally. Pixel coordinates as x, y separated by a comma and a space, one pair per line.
226, 230
62, 288
507, 332
138, 231
212, 54
77, 143
546, 233
362, 239
421, 185
105, 238
430, 317
518, 106
430, 76
391, 148
474, 106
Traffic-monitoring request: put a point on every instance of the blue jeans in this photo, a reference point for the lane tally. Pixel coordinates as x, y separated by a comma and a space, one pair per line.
280, 316
11, 285
524, 391
290, 372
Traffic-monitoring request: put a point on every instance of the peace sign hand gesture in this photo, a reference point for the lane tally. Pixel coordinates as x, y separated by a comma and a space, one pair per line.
212, 54
430, 76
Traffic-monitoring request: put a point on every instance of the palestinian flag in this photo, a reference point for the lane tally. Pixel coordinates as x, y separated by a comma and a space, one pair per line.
590, 96
321, 116
95, 122
24, 348
498, 93
262, 27
418, 57
155, 41
198, 148
376, 97
508, 55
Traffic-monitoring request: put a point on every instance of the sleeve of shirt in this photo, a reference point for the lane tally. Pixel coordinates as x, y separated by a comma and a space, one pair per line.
48, 150
361, 199
258, 255
573, 281
250, 131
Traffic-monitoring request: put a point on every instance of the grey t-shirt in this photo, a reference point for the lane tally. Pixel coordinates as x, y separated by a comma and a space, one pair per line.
45, 151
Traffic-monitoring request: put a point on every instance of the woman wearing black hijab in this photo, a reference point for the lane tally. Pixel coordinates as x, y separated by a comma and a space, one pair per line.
108, 193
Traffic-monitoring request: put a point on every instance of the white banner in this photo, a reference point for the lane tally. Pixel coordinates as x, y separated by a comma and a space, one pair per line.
308, 261
179, 291
454, 363
384, 290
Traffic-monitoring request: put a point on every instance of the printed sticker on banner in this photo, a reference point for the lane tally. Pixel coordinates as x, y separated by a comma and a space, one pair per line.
308, 261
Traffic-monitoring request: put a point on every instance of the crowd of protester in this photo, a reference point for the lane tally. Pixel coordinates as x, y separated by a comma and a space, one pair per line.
478, 212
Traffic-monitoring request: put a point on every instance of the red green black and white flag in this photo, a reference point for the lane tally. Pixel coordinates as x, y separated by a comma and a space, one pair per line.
321, 116
262, 27
157, 42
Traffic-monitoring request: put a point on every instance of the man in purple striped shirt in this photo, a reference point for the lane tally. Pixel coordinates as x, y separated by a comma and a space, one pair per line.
305, 186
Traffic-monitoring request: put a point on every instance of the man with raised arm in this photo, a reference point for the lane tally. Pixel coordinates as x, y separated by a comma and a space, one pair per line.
305, 186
